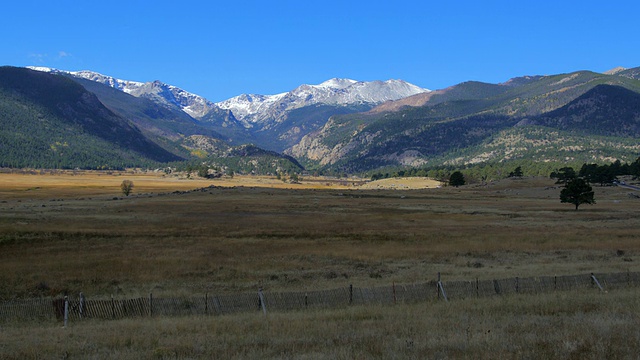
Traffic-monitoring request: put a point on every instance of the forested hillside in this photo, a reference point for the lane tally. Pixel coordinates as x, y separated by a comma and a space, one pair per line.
582, 116
56, 121
51, 121
60, 121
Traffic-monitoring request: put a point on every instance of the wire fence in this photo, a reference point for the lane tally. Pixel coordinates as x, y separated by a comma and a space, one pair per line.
83, 308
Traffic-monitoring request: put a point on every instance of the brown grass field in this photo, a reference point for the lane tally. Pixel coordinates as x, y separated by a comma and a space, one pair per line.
66, 233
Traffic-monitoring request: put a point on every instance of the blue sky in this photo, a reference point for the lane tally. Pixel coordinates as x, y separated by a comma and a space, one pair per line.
222, 49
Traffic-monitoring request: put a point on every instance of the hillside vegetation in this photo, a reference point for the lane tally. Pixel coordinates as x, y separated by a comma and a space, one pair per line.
53, 121
475, 123
50, 121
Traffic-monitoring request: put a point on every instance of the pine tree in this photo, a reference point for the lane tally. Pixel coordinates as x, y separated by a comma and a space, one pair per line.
577, 191
456, 179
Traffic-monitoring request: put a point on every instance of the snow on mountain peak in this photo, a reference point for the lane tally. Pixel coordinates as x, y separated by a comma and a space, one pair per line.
41, 68
336, 83
251, 108
124, 85
169, 95
245, 105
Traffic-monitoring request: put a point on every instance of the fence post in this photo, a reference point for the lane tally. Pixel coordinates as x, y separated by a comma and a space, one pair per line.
440, 289
517, 285
113, 307
81, 307
477, 288
261, 301
350, 294
496, 287
595, 281
66, 310
150, 304
394, 292
206, 303
555, 282
306, 300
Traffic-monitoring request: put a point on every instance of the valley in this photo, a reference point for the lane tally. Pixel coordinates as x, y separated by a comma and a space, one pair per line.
212, 213
319, 180
82, 234
75, 232
338, 127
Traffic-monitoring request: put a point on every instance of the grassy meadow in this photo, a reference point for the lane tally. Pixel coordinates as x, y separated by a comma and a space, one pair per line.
77, 232
575, 325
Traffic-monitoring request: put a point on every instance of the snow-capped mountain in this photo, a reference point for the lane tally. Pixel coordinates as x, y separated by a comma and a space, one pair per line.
123, 85
275, 122
246, 106
254, 109
194, 105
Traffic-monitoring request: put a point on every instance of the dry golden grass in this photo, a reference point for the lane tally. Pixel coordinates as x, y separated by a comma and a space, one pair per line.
80, 184
32, 184
409, 183
72, 233
45, 184
564, 325
240, 238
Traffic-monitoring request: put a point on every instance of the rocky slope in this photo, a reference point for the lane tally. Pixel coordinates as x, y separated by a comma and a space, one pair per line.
442, 126
275, 122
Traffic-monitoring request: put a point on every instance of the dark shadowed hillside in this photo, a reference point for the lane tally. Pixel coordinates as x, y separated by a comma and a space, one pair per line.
604, 110
50, 120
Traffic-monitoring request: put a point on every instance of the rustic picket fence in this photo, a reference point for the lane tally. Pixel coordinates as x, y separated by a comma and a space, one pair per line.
68, 309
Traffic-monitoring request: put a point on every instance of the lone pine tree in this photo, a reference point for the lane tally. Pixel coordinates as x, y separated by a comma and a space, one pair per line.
577, 191
456, 179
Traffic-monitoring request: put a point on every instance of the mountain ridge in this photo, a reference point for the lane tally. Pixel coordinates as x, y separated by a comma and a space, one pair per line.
447, 121
55, 121
253, 108
263, 119
192, 104
198, 106
339, 125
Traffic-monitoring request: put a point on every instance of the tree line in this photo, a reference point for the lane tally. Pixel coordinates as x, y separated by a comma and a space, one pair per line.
598, 174
577, 188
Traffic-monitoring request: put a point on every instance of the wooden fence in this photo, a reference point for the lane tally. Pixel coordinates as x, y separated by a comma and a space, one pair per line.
81, 307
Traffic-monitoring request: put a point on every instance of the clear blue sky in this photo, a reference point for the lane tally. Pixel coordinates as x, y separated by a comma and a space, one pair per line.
222, 49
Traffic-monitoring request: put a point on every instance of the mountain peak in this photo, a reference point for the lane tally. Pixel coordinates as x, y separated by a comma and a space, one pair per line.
158, 91
522, 80
337, 83
251, 109
615, 70
41, 69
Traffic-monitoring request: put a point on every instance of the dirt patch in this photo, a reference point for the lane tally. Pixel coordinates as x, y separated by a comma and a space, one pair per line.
408, 183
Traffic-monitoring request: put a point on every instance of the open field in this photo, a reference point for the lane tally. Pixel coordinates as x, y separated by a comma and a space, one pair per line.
44, 185
574, 325
47, 184
235, 239
83, 235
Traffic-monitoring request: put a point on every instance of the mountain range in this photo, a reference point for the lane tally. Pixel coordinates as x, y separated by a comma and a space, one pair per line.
554, 119
340, 125
274, 122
